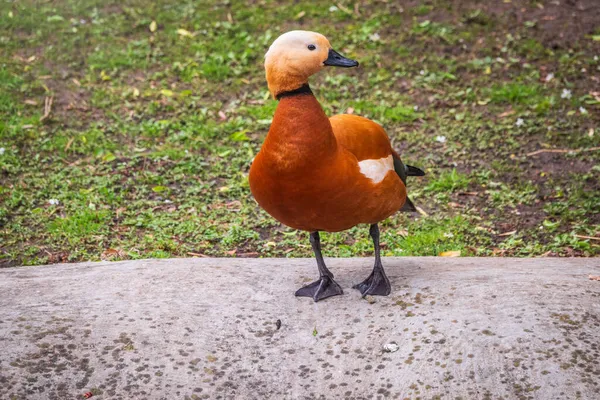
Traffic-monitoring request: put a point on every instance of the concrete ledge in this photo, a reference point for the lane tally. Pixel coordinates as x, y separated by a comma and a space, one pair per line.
469, 328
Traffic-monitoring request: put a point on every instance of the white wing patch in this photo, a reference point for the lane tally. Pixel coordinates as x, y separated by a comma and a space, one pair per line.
376, 170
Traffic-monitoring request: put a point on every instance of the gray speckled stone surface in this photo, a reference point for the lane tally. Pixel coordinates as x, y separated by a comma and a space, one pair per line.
469, 328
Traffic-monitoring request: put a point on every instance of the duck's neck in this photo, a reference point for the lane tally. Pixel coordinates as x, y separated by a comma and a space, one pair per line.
301, 132
304, 89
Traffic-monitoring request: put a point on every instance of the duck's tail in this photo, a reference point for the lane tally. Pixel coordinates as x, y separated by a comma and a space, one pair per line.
414, 171
403, 172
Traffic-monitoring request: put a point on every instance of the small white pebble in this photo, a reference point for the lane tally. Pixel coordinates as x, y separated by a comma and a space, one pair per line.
582, 110
519, 122
595, 58
440, 139
566, 94
422, 72
375, 37
53, 202
390, 347
2, 150
549, 77
448, 235
168, 201
333, 9
416, 108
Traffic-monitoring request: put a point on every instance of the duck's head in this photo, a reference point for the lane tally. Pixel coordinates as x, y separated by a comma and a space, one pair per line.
295, 56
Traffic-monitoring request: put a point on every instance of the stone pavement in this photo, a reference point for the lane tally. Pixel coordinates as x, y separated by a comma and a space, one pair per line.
469, 328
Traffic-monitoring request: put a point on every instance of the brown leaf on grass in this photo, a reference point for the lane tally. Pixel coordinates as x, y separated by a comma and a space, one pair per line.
111, 253
498, 252
533, 153
454, 253
47, 108
421, 211
234, 205
191, 253
587, 237
506, 113
69, 143
507, 233
222, 116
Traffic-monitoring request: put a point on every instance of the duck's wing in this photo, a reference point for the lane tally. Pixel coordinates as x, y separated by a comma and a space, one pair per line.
364, 138
368, 140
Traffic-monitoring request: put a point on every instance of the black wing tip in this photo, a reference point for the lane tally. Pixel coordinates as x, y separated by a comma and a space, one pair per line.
414, 171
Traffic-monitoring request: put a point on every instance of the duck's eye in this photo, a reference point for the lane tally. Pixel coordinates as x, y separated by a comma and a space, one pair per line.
311, 47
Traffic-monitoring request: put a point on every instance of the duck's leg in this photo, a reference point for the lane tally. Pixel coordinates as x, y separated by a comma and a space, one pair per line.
325, 286
377, 283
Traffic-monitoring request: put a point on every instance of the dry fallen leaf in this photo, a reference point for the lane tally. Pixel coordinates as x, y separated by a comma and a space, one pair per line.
506, 113
450, 253
421, 211
191, 253
184, 32
507, 233
594, 277
110, 253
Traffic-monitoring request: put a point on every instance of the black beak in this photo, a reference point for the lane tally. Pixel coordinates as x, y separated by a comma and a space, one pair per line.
335, 59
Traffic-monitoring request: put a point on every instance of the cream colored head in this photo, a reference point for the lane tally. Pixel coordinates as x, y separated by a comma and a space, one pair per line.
295, 56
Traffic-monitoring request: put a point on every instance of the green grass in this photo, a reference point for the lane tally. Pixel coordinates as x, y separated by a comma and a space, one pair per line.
159, 108
448, 182
515, 93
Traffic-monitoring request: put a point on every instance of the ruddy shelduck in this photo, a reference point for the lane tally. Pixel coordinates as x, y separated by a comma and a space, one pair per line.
315, 173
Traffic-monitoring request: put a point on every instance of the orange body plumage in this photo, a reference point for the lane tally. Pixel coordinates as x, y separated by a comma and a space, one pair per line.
307, 173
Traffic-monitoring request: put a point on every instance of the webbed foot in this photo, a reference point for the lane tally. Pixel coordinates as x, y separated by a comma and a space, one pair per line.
377, 284
320, 289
